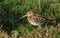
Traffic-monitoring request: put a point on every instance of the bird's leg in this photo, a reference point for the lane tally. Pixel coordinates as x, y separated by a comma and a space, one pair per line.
39, 31
59, 26
46, 30
39, 27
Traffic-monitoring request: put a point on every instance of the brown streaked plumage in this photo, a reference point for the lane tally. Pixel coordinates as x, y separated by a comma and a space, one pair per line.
36, 19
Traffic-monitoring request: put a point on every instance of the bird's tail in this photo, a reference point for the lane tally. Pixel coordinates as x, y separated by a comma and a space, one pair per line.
51, 20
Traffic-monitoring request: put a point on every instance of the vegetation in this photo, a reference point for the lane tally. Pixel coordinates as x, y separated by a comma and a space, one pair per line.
11, 10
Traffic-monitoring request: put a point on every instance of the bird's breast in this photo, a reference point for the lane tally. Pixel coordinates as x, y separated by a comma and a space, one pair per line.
32, 21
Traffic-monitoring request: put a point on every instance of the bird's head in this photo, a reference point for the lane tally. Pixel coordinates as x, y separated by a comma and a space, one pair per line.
29, 13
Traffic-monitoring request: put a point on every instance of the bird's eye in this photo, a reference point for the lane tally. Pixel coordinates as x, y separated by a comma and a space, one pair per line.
38, 16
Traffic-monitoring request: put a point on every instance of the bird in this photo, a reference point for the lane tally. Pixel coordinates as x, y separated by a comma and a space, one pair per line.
36, 19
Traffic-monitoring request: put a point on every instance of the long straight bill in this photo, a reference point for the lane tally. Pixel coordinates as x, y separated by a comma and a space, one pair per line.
21, 17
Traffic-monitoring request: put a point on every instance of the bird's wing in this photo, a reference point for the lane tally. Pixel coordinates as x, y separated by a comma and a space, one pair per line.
39, 18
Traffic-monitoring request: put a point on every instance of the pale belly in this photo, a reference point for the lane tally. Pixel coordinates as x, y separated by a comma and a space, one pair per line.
33, 23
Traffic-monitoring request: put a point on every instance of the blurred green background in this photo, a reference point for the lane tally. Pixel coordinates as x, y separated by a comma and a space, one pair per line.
11, 10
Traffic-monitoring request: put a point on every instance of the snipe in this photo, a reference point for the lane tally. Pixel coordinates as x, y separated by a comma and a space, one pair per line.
37, 19
34, 19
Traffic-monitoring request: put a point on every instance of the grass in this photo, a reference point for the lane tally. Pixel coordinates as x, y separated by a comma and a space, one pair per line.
11, 10
44, 32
